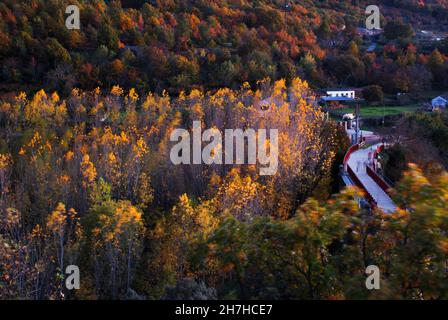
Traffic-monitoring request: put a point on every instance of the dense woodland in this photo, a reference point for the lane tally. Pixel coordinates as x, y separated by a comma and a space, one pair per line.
87, 180
180, 45
85, 171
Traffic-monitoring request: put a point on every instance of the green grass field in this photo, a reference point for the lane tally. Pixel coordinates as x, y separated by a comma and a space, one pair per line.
377, 111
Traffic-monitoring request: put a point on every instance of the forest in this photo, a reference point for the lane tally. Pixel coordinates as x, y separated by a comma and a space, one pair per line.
86, 177
87, 181
183, 45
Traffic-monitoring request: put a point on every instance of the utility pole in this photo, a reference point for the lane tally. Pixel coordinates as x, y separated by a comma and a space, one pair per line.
357, 117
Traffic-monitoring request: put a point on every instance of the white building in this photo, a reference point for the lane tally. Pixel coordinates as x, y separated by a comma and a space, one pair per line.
439, 103
343, 93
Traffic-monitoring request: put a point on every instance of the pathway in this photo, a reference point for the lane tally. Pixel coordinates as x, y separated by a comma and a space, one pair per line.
382, 199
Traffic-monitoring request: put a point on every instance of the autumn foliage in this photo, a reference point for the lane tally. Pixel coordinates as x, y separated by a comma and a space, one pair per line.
87, 180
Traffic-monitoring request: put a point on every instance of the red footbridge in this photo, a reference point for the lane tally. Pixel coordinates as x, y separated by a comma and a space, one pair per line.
359, 168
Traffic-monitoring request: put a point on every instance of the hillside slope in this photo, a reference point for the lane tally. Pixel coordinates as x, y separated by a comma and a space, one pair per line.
182, 44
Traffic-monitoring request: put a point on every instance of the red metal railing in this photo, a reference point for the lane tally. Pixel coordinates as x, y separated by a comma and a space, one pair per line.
360, 185
353, 176
378, 180
352, 149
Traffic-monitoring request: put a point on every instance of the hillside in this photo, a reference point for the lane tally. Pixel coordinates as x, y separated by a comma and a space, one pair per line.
179, 45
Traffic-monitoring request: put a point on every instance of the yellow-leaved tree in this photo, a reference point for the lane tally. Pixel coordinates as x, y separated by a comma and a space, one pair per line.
115, 233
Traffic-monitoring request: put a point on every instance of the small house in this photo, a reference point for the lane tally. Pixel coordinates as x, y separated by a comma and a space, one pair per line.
439, 103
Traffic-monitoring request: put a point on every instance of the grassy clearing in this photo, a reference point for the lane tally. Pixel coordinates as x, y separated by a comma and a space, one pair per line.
378, 111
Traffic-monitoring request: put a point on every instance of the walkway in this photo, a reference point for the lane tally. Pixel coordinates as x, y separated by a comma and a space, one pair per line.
382, 199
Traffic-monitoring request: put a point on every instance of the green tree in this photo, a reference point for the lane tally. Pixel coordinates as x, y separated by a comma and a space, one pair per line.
324, 30
398, 30
279, 259
373, 93
394, 162
419, 231
56, 52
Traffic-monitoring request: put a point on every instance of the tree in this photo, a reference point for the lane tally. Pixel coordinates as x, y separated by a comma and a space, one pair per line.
353, 49
397, 30
324, 30
57, 53
419, 234
346, 68
436, 61
177, 233
115, 232
394, 162
309, 65
373, 93
267, 258
64, 233
436, 64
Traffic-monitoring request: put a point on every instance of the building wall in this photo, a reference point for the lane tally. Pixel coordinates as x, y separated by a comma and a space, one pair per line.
342, 93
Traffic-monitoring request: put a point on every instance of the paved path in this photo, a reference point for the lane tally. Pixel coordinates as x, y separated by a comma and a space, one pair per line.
368, 135
382, 199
